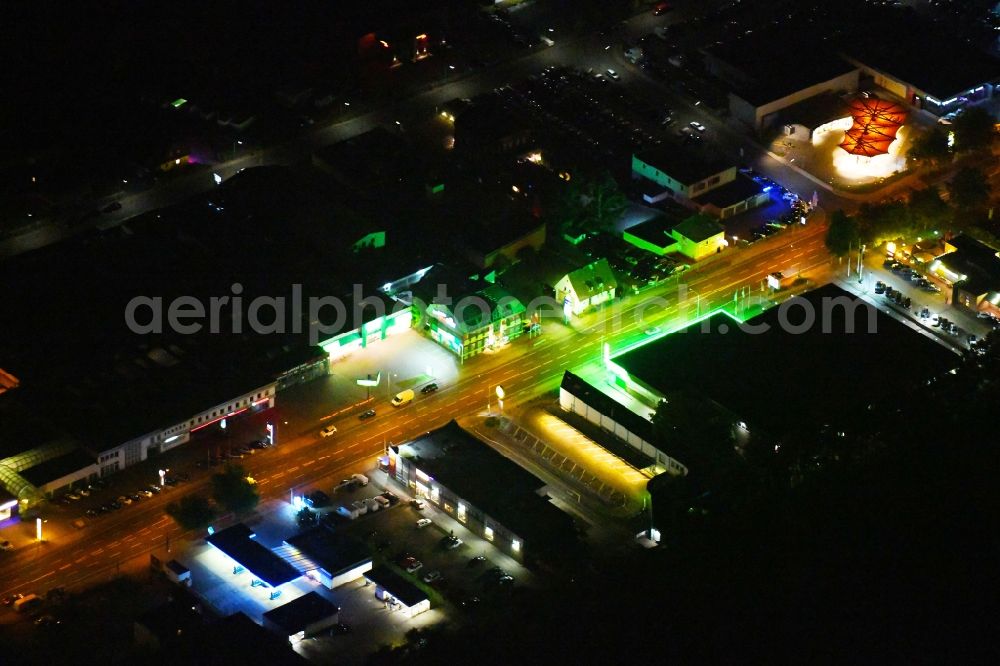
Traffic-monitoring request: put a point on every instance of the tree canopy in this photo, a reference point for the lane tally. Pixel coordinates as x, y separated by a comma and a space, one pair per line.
973, 129
191, 511
233, 490
842, 233
931, 146
589, 205
969, 189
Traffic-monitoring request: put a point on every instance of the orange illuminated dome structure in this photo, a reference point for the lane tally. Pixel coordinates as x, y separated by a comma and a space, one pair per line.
876, 122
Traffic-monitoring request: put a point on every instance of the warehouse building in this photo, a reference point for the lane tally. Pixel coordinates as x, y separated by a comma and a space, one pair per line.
485, 491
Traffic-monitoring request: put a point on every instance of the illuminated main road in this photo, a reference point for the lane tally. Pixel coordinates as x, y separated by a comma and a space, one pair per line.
526, 369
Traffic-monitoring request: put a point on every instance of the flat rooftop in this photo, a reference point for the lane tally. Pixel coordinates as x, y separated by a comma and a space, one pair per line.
783, 380
489, 481
767, 73
733, 192
333, 551
58, 467
977, 261
396, 585
655, 231
237, 542
683, 165
923, 56
297, 615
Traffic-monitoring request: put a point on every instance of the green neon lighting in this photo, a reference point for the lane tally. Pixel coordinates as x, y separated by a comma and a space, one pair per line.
178, 103
646, 340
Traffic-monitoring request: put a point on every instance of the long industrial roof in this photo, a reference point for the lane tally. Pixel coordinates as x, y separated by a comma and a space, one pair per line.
238, 543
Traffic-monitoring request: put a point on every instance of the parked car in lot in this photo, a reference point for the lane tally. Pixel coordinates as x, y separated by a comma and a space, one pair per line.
432, 576
477, 560
146, 493
417, 504
423, 522
451, 542
124, 500
6, 545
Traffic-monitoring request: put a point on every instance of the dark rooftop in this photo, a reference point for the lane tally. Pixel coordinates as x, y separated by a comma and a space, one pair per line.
333, 551
977, 261
237, 637
489, 481
173, 619
733, 192
682, 165
783, 380
767, 73
237, 543
698, 228
655, 231
58, 467
22, 428
605, 404
297, 615
926, 58
396, 585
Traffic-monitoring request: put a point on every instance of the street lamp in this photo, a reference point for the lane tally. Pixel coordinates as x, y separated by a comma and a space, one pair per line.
163, 476
500, 396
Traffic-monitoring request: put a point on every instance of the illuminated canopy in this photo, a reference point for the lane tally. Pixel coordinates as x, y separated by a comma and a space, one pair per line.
875, 124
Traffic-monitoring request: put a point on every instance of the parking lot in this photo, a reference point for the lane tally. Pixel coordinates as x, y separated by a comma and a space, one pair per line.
465, 570
915, 293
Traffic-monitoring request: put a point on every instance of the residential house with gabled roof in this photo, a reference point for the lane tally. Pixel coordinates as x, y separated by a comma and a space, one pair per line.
585, 287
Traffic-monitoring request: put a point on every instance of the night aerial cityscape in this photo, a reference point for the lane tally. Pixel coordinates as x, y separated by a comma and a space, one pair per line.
500, 332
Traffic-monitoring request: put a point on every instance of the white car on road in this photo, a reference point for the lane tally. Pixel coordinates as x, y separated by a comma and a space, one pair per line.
327, 431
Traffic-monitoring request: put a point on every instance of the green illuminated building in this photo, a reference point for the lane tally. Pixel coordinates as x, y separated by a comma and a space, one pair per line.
477, 318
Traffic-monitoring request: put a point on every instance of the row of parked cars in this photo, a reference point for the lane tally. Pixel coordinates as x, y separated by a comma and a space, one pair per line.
911, 274
127, 499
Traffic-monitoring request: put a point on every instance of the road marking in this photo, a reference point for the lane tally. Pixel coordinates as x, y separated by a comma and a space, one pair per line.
64, 567
97, 552
118, 554
279, 475
306, 464
51, 573
293, 469
77, 561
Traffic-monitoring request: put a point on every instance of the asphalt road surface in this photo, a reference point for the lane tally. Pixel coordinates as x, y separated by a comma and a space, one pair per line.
526, 369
